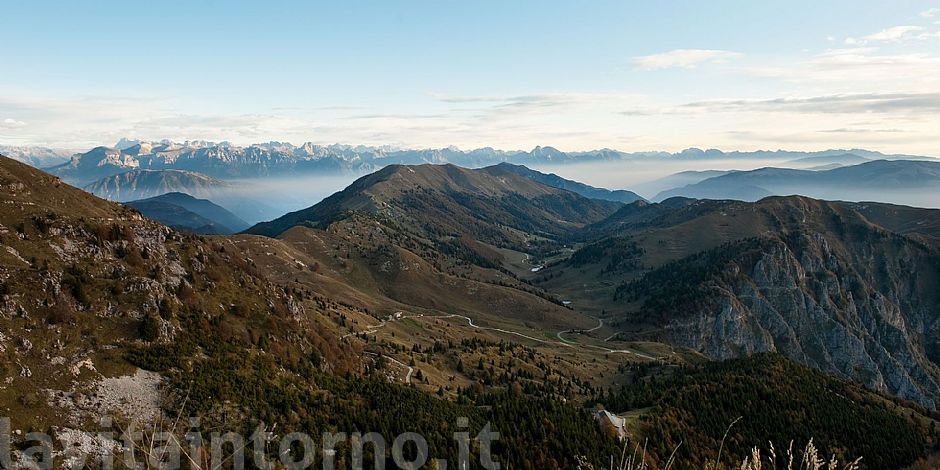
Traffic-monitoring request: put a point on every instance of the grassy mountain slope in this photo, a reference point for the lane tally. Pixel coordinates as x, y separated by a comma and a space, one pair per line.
101, 308
923, 224
375, 306
178, 218
427, 235
85, 280
435, 201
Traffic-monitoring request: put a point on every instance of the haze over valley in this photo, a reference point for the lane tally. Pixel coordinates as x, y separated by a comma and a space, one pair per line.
262, 181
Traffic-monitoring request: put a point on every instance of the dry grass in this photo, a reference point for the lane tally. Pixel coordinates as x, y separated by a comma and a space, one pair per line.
810, 458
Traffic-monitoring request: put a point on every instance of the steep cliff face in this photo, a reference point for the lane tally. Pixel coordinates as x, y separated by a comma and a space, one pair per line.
855, 301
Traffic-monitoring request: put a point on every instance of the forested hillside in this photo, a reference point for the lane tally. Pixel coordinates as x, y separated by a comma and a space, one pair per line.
767, 398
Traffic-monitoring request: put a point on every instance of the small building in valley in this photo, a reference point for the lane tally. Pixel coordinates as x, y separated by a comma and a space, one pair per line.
612, 422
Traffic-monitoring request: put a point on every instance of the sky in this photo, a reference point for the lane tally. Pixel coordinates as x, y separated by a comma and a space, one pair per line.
576, 75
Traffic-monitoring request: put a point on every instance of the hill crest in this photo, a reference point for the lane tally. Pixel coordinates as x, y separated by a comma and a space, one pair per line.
449, 199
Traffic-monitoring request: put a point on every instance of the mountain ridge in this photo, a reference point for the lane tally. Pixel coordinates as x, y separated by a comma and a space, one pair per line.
455, 200
894, 178
183, 211
142, 184
225, 160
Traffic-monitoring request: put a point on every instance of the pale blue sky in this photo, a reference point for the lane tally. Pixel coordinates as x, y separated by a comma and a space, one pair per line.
510, 74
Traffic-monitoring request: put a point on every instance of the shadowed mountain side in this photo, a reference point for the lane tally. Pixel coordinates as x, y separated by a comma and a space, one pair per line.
178, 209
675, 180
144, 184
178, 218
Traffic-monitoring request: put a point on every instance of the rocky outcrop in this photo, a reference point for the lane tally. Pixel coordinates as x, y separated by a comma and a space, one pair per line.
863, 306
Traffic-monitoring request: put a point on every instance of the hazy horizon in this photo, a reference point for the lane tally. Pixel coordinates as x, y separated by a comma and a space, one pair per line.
328, 143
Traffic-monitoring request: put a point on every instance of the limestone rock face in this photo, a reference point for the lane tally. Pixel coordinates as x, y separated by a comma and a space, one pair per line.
864, 309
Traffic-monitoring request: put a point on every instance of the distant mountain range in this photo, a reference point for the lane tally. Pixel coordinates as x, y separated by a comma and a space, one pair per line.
556, 181
228, 161
888, 181
184, 212
826, 161
142, 184
228, 174
39, 157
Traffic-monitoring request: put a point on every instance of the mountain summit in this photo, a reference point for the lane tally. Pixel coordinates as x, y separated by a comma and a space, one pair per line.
437, 200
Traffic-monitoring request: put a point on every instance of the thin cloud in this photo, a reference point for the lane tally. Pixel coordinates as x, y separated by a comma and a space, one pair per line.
445, 98
398, 116
541, 101
849, 130
548, 100
538, 100
10, 123
832, 104
894, 34
861, 68
933, 12
684, 58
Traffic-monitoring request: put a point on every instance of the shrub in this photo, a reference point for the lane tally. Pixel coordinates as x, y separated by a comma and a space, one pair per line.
60, 313
149, 329
167, 308
75, 279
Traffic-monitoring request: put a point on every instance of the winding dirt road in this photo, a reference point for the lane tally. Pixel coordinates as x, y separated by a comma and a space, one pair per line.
561, 340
